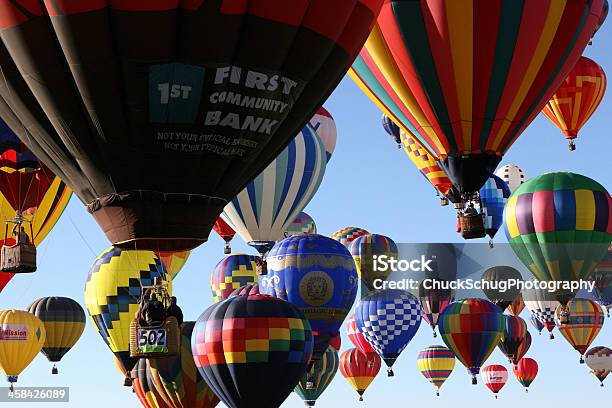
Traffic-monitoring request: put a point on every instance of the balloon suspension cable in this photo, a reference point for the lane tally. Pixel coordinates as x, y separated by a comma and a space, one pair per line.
390, 372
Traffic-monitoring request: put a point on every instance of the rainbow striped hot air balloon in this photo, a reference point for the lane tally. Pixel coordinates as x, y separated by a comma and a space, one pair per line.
321, 374
525, 371
560, 226
582, 325
231, 273
577, 98
471, 328
436, 363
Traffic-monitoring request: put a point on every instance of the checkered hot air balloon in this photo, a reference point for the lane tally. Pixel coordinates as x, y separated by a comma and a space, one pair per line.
493, 198
471, 328
436, 363
321, 375
359, 369
388, 320
582, 325
560, 226
267, 352
113, 292
599, 360
494, 376
525, 371
513, 336
347, 235
577, 98
231, 273
317, 275
536, 323
542, 304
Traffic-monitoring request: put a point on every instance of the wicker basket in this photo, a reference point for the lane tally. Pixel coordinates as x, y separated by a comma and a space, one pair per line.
18, 258
472, 226
150, 345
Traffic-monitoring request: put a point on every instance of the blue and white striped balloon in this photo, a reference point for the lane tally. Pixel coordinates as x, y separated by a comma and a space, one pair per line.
261, 212
493, 198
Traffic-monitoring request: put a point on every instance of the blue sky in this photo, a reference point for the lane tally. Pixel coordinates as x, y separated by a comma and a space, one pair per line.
371, 184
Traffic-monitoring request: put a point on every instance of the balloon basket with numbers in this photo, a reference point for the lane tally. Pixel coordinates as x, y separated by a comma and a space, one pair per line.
155, 341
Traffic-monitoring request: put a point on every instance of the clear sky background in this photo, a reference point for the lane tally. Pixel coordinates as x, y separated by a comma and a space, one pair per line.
368, 183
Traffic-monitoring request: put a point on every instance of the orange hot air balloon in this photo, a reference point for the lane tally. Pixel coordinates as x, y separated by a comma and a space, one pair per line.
577, 98
173, 261
359, 369
525, 371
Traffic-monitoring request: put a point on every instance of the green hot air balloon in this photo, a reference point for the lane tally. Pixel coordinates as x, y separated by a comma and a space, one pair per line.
322, 373
560, 227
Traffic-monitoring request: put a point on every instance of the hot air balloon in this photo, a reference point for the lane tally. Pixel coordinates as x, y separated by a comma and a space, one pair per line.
173, 261
232, 272
433, 302
516, 307
388, 320
322, 373
514, 334
302, 224
599, 360
364, 250
560, 226
250, 289
471, 328
178, 380
356, 337
602, 17
582, 325
500, 291
31, 196
22, 336
468, 90
512, 174
323, 122
392, 130
493, 198
427, 164
525, 371
359, 369
64, 322
317, 275
263, 210
436, 363
577, 98
542, 304
143, 386
524, 346
602, 279
271, 344
113, 293
535, 322
192, 120
226, 233
494, 376
347, 235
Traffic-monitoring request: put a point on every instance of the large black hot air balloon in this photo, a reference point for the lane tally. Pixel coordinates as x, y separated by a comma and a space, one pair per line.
158, 113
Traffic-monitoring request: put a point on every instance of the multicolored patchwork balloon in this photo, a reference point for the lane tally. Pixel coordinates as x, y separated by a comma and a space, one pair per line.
388, 320
271, 343
347, 235
231, 273
471, 328
302, 224
436, 363
582, 325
